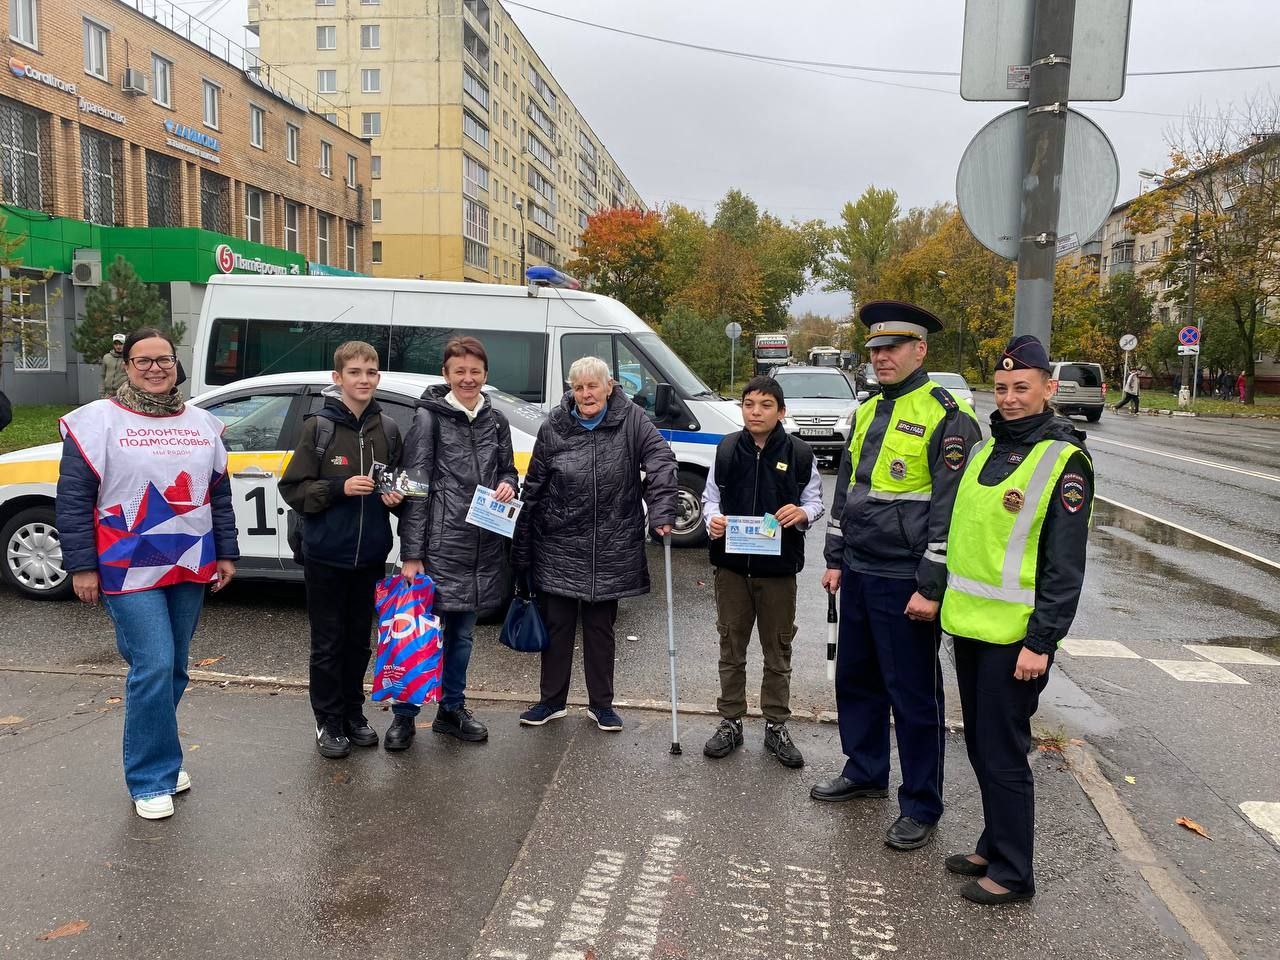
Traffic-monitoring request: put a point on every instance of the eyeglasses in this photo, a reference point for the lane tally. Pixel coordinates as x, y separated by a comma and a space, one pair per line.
146, 363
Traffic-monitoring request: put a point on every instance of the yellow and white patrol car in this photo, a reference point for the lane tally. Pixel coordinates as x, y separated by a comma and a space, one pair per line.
264, 420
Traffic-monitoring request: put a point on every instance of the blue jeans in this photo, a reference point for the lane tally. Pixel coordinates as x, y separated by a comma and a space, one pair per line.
153, 634
457, 627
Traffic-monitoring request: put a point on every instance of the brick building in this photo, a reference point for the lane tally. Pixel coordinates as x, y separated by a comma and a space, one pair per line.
127, 127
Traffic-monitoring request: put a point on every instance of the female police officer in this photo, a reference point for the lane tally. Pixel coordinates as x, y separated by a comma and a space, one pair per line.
1015, 565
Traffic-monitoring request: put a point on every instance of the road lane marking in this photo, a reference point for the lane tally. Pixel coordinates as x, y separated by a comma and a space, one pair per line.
1264, 815
1098, 648
1231, 654
648, 897
1094, 438
1198, 671
581, 929
1195, 533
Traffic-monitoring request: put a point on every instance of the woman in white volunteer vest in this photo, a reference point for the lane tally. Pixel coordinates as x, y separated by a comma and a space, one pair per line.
145, 517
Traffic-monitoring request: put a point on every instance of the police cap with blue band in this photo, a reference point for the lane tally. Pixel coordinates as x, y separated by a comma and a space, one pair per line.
890, 322
1024, 353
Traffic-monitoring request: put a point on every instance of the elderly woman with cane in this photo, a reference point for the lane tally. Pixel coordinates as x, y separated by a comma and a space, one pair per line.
579, 542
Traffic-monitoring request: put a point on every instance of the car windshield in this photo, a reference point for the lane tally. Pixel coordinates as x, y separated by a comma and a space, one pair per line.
1085, 374
953, 380
679, 375
815, 386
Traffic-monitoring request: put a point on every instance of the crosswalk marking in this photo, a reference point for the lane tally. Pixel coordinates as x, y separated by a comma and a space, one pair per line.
1198, 671
1232, 654
1263, 814
1078, 647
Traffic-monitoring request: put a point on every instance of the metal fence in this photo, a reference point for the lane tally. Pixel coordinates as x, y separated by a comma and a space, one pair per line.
164, 191
101, 158
215, 202
23, 156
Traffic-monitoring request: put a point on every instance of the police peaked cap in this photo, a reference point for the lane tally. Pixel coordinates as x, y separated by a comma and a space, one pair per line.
1024, 353
889, 322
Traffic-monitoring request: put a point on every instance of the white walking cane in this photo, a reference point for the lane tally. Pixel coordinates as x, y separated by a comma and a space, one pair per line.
671, 647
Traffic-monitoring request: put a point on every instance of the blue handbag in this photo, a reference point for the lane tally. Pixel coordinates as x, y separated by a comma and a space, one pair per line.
523, 630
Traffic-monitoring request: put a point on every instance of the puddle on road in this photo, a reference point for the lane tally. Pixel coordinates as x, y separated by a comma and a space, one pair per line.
1269, 645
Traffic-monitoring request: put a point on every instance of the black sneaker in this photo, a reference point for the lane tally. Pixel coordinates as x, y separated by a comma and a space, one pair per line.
400, 734
359, 732
726, 739
331, 742
461, 724
778, 742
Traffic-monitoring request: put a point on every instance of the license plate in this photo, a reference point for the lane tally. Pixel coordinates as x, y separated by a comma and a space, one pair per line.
814, 432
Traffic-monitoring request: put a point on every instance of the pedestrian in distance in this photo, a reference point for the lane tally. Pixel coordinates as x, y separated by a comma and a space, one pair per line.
458, 441
1241, 386
346, 537
113, 367
580, 538
1132, 386
886, 553
1024, 505
146, 521
1226, 384
759, 471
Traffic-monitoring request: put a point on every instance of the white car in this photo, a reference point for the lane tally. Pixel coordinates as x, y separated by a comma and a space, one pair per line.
955, 385
820, 405
263, 417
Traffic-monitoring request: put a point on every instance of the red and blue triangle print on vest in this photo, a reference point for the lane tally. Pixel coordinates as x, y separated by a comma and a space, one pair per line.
169, 541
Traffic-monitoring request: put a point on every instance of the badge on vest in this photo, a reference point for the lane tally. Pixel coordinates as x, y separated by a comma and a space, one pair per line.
339, 461
953, 452
1072, 491
1016, 458
1013, 500
898, 468
780, 465
915, 429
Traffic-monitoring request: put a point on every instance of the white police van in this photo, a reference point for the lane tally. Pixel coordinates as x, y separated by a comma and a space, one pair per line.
254, 325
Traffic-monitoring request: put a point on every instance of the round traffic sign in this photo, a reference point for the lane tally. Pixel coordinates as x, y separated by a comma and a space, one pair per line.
989, 182
1188, 336
733, 330
1128, 342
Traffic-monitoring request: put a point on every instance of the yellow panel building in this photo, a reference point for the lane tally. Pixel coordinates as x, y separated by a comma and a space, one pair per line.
479, 159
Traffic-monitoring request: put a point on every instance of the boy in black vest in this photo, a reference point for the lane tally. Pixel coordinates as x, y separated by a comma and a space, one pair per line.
759, 470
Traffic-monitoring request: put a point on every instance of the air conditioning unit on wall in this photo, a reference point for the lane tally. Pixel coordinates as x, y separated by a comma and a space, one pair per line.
86, 268
135, 81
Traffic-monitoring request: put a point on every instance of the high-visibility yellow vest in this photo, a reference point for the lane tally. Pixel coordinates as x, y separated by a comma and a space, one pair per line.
994, 544
901, 470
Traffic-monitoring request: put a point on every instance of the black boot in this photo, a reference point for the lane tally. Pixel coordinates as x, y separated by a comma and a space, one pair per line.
461, 724
400, 734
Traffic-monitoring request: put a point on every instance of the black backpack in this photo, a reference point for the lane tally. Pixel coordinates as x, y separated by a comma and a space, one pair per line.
324, 437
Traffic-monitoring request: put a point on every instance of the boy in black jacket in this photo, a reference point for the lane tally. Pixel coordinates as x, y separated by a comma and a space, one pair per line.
346, 536
760, 470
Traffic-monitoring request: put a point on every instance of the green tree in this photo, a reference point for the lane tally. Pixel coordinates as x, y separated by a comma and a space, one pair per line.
863, 241
738, 217
18, 304
701, 344
788, 256
808, 331
121, 304
1124, 307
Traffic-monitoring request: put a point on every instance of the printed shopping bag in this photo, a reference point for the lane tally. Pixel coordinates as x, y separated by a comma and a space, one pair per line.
410, 663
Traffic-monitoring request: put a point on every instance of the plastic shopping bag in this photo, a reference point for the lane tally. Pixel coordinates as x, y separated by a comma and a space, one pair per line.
409, 666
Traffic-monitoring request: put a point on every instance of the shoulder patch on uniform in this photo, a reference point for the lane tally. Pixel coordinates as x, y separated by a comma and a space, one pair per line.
915, 429
943, 397
1072, 491
953, 452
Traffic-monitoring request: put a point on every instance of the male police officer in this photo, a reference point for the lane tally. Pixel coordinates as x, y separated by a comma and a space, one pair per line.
886, 553
1015, 566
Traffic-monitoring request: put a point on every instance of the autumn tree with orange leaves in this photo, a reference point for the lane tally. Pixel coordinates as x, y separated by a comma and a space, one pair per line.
621, 257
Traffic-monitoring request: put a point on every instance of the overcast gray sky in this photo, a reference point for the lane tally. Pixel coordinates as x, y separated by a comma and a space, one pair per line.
687, 125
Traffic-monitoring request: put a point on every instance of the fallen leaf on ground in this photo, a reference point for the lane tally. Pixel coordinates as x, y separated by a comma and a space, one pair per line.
66, 930
1050, 748
209, 661
1130, 779
10, 721
341, 777
1192, 826
115, 700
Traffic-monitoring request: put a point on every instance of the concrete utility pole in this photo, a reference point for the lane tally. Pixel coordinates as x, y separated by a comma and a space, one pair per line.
1194, 251
1046, 135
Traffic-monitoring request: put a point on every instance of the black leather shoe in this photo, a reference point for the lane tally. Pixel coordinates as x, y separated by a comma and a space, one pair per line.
726, 739
400, 734
907, 833
360, 733
842, 788
961, 864
777, 740
331, 742
975, 892
461, 724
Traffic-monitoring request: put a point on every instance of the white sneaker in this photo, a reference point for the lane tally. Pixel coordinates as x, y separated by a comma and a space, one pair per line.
184, 782
154, 808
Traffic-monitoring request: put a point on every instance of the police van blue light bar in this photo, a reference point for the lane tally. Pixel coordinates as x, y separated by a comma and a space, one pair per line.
551, 277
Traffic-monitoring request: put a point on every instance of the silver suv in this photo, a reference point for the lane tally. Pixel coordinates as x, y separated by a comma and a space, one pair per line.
1082, 389
820, 406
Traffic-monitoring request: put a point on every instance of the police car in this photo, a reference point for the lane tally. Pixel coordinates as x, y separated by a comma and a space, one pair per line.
263, 417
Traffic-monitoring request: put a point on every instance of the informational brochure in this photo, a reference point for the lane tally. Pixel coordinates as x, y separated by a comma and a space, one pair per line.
489, 513
757, 535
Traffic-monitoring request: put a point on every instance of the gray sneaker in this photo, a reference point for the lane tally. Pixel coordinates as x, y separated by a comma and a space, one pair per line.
778, 742
726, 739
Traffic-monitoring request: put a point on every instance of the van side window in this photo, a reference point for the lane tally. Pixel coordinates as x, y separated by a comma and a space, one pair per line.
575, 346
517, 360
246, 348
638, 379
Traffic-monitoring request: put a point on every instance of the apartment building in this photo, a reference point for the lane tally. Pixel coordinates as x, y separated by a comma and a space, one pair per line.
129, 128
481, 162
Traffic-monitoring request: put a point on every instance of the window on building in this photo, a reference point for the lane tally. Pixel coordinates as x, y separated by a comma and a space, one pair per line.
95, 49
352, 237
353, 168
478, 49
475, 88
537, 247
541, 118
480, 10
212, 104
475, 177
375, 168
540, 183
164, 191
24, 16
542, 218
324, 3
327, 37
369, 3
371, 124
475, 233
253, 215
326, 81
475, 129
291, 136
326, 158
375, 209
370, 36
29, 316
257, 126
371, 80
541, 152
323, 222
330, 118
161, 80
291, 227
100, 159
376, 252
215, 202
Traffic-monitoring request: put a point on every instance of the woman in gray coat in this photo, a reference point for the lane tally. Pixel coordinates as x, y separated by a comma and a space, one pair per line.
580, 537
459, 441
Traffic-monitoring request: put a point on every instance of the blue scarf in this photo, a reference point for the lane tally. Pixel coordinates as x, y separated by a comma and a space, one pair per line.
594, 421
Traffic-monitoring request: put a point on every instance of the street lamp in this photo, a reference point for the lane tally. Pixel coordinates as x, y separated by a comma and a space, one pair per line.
1193, 250
942, 275
520, 207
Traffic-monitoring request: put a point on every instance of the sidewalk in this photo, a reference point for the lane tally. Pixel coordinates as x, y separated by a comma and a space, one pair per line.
559, 842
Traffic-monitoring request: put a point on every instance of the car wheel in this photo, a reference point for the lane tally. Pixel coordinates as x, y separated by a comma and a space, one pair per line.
689, 530
33, 555
1093, 416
